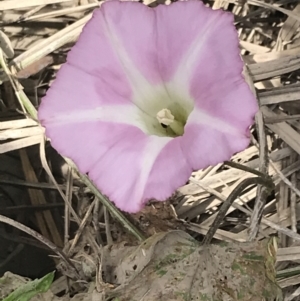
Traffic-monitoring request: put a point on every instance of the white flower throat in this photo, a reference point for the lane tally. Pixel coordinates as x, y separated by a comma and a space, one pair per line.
163, 110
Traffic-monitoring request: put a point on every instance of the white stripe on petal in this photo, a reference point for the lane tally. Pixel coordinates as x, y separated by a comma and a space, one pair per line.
141, 88
149, 155
125, 114
189, 59
149, 98
199, 117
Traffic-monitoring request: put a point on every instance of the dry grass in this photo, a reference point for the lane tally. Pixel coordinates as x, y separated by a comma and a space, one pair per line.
42, 33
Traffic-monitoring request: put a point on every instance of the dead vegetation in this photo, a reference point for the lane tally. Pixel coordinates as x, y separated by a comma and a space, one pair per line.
41, 33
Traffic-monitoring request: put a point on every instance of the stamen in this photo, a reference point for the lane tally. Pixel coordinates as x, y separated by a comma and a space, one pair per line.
165, 117
168, 121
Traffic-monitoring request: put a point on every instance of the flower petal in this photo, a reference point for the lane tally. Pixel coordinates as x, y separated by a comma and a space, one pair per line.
93, 54
205, 145
170, 170
211, 138
77, 99
231, 101
224, 106
214, 68
127, 165
182, 31
109, 48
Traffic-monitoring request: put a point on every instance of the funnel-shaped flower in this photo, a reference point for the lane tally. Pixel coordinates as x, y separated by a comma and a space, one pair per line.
147, 96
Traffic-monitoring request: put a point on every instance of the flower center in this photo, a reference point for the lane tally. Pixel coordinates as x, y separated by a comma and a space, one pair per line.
163, 112
168, 122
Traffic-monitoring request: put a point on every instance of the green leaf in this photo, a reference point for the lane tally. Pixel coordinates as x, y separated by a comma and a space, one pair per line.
31, 288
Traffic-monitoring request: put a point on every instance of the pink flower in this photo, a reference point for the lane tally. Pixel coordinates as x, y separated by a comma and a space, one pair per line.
147, 96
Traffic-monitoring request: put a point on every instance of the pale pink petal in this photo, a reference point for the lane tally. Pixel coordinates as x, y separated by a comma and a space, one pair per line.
117, 173
205, 146
146, 172
95, 55
237, 105
128, 166
216, 83
170, 170
146, 39
180, 28
76, 93
132, 32
75, 99
109, 47
224, 106
109, 153
209, 140
131, 62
